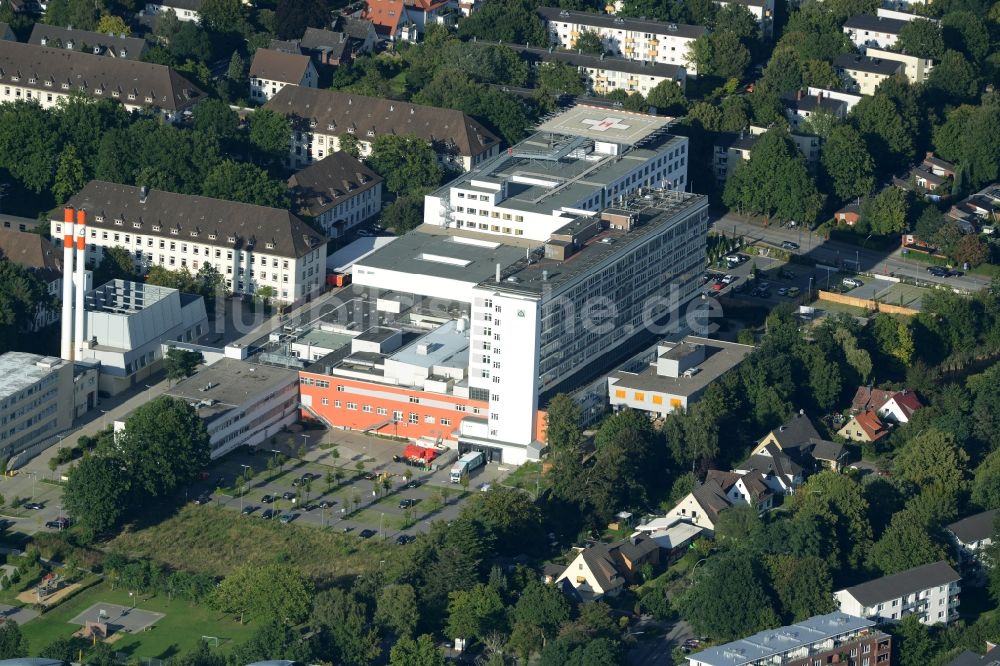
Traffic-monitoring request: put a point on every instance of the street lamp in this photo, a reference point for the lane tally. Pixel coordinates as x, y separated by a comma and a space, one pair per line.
149, 388
104, 419
381, 517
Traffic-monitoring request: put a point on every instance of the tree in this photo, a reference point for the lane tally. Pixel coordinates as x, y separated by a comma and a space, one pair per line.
971, 249
112, 25
240, 181
922, 38
774, 181
589, 41
13, 644
222, 15
885, 213
964, 31
847, 162
954, 76
407, 163
558, 77
116, 264
542, 607
269, 134
803, 585
27, 144
292, 17
22, 298
181, 363
905, 544
419, 652
348, 143
345, 634
213, 116
720, 54
668, 97
562, 424
96, 493
912, 638
986, 482
397, 609
474, 613
713, 603
507, 21
163, 446
267, 593
404, 214
79, 14
887, 131
933, 458
510, 516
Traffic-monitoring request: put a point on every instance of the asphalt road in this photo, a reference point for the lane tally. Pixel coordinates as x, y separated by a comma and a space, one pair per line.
838, 254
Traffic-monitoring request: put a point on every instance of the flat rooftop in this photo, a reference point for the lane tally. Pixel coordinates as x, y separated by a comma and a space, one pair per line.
655, 210
770, 642
19, 370
445, 255
323, 339
443, 346
574, 178
218, 388
720, 357
601, 124
124, 297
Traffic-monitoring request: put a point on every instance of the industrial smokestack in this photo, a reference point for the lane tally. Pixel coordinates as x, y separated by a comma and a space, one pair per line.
66, 323
80, 286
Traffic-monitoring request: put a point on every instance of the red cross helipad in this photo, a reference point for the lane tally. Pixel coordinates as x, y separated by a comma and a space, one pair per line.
606, 124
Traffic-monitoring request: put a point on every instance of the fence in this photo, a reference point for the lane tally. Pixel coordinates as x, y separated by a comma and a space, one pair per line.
866, 304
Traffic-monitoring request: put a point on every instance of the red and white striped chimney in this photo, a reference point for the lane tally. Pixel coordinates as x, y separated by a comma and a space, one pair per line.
66, 323
80, 281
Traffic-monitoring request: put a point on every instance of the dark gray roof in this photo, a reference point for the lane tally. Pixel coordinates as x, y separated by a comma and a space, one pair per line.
636, 548
32, 251
87, 41
822, 449
778, 463
329, 182
814, 103
286, 45
252, 226
536, 55
969, 658
6, 32
619, 23
86, 72
355, 27
711, 498
875, 24
328, 42
866, 64
974, 528
382, 116
904, 583
602, 564
795, 432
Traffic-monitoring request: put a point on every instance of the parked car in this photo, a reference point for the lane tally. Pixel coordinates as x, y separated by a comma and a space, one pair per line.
201, 499
326, 504
267, 499
793, 292
370, 476
718, 286
787, 274
404, 539
247, 510
406, 503
33, 506
59, 523
728, 279
852, 282
367, 534
310, 507
288, 494
415, 483
954, 274
782, 291
789, 245
734, 260
287, 518
268, 514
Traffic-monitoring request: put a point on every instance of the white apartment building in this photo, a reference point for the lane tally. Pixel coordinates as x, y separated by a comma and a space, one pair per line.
652, 41
338, 192
251, 246
863, 74
320, 117
878, 31
849, 99
48, 75
242, 404
929, 591
598, 160
917, 70
39, 397
271, 71
186, 10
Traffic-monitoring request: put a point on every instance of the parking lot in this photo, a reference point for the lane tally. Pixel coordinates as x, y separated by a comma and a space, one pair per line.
326, 489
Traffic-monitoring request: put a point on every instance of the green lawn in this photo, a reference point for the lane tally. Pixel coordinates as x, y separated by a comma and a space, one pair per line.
528, 477
176, 633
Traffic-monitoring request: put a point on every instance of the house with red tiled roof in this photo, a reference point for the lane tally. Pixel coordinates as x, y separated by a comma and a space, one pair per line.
865, 427
895, 406
866, 398
390, 19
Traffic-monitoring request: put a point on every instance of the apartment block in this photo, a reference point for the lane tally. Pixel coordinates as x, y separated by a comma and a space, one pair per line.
929, 591
880, 32
863, 74
185, 10
339, 192
917, 70
271, 71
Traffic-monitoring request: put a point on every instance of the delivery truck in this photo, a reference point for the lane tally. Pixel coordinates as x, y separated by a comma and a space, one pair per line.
467, 464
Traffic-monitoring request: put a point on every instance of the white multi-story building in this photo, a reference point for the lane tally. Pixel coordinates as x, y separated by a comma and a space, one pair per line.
917, 70
863, 74
271, 71
580, 162
39, 397
338, 192
242, 404
929, 591
733, 149
251, 246
48, 75
881, 32
320, 117
635, 39
185, 10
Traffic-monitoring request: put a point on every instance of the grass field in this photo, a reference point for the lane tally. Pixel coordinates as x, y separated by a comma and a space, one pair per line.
216, 541
176, 633
906, 295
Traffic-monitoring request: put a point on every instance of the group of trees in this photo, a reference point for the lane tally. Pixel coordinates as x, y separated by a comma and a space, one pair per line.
23, 297
162, 448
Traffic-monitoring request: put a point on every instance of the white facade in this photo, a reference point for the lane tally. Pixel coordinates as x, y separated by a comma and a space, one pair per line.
917, 70
604, 80
691, 511
263, 89
933, 601
155, 9
847, 98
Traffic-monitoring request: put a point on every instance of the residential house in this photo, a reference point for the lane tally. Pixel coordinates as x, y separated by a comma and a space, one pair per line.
338, 193
335, 47
979, 212
186, 10
604, 74
894, 406
702, 506
780, 472
878, 31
917, 70
970, 658
672, 376
47, 75
795, 447
747, 488
673, 536
863, 74
848, 214
850, 99
800, 108
17, 223
635, 39
834, 638
271, 71
865, 427
973, 534
603, 569
929, 591
938, 166
86, 41
40, 256
390, 20
422, 13
320, 117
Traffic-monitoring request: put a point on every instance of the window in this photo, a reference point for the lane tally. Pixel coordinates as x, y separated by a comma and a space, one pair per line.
397, 415
325, 401
367, 409
381, 411
446, 422
429, 419
352, 406
414, 417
